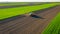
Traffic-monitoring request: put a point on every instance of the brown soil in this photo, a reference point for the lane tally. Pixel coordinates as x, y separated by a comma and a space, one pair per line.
29, 25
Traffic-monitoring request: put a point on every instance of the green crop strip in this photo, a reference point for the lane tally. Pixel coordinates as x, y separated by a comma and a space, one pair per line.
54, 26
18, 3
9, 12
15, 3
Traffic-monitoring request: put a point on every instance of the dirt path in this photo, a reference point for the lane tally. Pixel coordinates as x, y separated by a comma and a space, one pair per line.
29, 25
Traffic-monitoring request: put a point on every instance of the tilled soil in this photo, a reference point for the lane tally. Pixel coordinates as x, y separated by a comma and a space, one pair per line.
29, 25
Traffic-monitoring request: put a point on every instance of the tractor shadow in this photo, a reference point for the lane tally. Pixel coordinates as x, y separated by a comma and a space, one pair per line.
35, 16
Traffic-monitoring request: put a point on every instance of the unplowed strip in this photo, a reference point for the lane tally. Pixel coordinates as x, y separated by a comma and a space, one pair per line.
29, 25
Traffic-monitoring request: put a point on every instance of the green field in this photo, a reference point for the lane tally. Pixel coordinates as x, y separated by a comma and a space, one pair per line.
9, 12
13, 3
22, 3
54, 26
18, 3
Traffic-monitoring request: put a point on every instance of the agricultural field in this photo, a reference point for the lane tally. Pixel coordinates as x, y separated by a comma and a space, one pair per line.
12, 3
54, 26
5, 13
16, 20
18, 3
